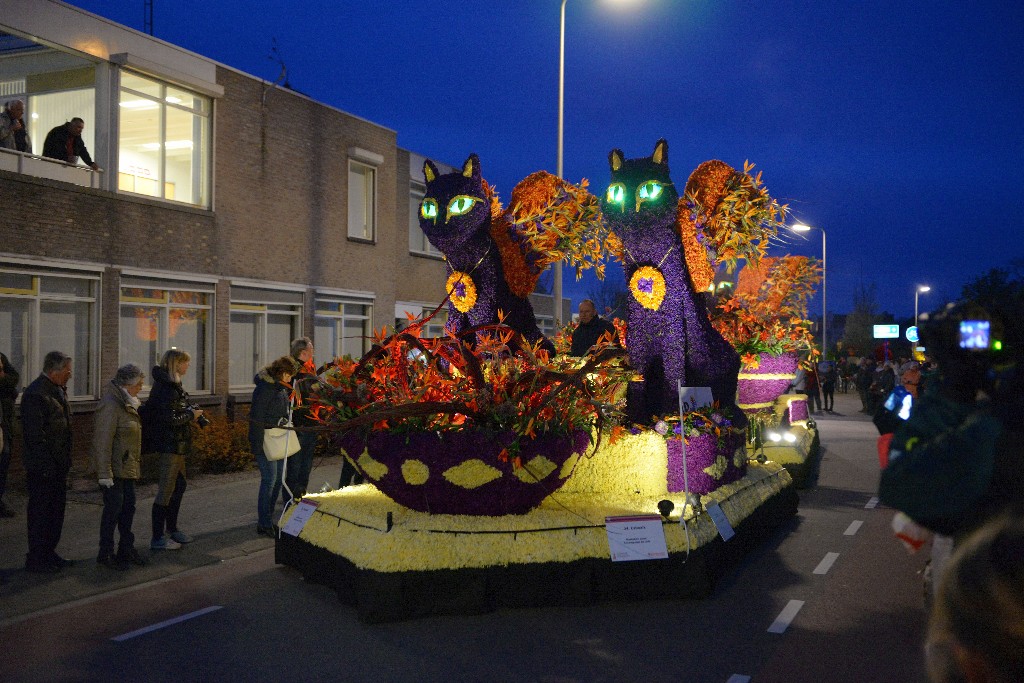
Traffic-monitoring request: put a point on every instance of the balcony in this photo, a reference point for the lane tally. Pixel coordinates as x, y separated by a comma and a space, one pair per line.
41, 167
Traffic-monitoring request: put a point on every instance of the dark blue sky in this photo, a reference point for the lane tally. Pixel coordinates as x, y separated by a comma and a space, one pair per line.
895, 126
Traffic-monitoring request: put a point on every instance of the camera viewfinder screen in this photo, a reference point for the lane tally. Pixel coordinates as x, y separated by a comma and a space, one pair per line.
974, 334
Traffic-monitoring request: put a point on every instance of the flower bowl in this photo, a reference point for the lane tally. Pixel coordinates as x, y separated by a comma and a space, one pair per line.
759, 387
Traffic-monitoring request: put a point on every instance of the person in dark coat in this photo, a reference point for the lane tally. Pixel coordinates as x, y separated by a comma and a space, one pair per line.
65, 144
46, 427
270, 402
304, 378
590, 329
9, 380
167, 419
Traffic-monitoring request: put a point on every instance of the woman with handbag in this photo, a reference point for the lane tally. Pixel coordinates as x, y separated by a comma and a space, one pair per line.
270, 408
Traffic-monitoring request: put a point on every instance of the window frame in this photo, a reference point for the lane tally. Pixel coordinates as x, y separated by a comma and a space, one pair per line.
330, 351
263, 308
419, 245
372, 170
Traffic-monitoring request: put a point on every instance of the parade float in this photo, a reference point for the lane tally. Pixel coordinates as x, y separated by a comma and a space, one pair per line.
498, 474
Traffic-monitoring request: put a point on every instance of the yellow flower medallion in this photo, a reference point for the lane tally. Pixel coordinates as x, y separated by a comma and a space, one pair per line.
648, 287
462, 291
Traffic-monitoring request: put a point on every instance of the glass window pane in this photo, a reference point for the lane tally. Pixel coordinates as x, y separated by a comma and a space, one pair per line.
417, 240
325, 338
139, 146
353, 343
65, 285
140, 84
14, 334
244, 361
17, 281
189, 100
55, 109
183, 171
360, 201
187, 329
139, 335
64, 326
197, 298
281, 329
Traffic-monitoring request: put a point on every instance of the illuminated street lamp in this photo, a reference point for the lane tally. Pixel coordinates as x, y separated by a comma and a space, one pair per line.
920, 289
800, 227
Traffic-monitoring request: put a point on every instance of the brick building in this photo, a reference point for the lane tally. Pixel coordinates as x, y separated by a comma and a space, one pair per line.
232, 214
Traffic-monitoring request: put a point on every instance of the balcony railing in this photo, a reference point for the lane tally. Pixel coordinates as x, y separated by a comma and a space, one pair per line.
42, 167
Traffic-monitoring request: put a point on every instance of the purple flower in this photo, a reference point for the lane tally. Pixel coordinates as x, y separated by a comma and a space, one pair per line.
678, 429
460, 289
645, 285
634, 430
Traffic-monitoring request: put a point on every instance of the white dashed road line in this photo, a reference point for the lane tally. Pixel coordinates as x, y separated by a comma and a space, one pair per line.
826, 563
853, 528
164, 624
871, 503
738, 678
786, 616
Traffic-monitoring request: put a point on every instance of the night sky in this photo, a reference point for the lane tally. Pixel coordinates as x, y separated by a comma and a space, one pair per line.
895, 126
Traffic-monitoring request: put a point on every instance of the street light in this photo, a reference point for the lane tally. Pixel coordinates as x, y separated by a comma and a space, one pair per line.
800, 227
920, 289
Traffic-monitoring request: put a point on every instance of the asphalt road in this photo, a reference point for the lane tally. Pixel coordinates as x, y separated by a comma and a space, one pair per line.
851, 593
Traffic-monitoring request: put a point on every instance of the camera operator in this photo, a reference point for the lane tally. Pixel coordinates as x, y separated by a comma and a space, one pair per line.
167, 419
956, 461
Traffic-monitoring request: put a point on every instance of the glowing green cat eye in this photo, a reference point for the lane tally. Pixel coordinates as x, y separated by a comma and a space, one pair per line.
616, 193
461, 205
429, 209
652, 189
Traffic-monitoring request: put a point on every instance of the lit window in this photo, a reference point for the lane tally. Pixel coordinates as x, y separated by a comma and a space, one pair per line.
342, 328
164, 146
43, 311
362, 201
263, 325
157, 316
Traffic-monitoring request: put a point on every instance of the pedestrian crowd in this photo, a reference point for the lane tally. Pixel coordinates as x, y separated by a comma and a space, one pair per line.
124, 430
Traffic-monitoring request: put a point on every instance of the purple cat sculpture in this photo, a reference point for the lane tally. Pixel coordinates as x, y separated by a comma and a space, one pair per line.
669, 337
455, 215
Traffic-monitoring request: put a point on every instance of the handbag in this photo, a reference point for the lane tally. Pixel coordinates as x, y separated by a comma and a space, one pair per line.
281, 442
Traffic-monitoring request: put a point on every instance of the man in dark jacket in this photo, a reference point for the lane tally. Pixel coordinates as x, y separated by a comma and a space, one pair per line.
590, 329
300, 465
46, 426
9, 380
65, 143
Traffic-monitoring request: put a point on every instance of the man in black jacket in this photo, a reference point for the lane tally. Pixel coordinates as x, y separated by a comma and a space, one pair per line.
9, 379
590, 329
46, 426
65, 143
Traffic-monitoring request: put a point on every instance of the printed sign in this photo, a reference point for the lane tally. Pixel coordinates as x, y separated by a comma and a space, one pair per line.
639, 537
911, 334
725, 529
691, 398
887, 331
303, 511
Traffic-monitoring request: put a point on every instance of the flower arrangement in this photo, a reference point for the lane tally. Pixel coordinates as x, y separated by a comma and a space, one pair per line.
701, 421
768, 311
725, 216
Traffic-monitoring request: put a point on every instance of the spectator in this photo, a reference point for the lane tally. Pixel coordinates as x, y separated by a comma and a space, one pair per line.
910, 377
13, 134
116, 453
811, 389
590, 329
9, 379
863, 380
976, 631
304, 373
269, 407
828, 373
65, 143
46, 427
167, 421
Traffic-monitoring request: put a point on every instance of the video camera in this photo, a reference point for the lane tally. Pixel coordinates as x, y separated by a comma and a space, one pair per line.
202, 420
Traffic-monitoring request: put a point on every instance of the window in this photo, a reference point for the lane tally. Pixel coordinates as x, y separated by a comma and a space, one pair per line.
342, 327
263, 324
157, 315
43, 311
418, 242
164, 146
362, 201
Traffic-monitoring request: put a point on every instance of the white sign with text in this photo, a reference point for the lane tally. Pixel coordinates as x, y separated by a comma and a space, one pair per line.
691, 398
638, 537
725, 529
303, 511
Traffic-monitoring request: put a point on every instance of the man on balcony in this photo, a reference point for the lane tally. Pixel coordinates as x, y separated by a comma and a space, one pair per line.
65, 143
13, 134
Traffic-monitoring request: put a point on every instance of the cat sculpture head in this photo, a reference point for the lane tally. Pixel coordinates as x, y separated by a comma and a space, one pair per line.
641, 193
455, 207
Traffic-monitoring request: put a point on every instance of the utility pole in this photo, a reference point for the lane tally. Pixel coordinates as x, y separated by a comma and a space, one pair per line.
147, 22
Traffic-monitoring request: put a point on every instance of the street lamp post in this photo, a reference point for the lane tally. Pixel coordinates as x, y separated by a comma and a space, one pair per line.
800, 227
920, 289
556, 284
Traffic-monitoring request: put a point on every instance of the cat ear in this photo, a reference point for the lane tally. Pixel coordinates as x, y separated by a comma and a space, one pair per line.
660, 155
472, 166
615, 159
429, 171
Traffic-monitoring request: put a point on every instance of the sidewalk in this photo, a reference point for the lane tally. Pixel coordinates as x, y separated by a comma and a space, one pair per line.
219, 511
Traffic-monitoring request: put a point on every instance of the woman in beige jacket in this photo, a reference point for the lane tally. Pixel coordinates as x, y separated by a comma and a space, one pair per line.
116, 449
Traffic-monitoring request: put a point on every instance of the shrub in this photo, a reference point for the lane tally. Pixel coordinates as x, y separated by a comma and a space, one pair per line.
221, 446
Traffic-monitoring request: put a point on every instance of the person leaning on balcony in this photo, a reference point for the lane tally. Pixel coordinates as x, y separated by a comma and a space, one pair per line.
13, 134
65, 143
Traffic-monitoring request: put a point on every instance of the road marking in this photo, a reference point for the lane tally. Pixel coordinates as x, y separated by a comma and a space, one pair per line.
164, 624
738, 678
826, 563
786, 616
871, 503
853, 528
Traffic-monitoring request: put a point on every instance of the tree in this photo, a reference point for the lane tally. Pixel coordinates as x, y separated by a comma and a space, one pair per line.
609, 296
859, 333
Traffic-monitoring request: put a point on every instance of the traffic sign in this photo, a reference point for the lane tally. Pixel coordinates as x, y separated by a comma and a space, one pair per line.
911, 334
887, 331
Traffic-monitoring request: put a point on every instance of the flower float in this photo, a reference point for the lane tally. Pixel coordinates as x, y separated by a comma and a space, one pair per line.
446, 426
